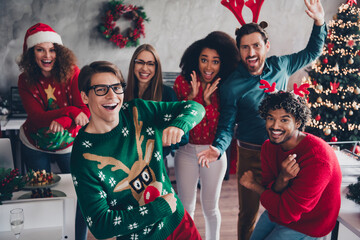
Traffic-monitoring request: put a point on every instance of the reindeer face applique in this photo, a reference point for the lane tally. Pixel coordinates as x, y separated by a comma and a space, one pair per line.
141, 179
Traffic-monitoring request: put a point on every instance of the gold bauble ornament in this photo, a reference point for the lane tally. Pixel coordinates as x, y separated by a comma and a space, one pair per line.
319, 100
351, 61
319, 87
335, 107
357, 91
342, 97
351, 113
327, 131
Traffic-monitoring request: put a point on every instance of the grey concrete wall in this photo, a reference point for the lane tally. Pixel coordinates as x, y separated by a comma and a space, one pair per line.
174, 25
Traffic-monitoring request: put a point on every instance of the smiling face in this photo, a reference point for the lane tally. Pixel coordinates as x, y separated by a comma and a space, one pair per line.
144, 68
253, 52
209, 65
104, 109
282, 128
45, 56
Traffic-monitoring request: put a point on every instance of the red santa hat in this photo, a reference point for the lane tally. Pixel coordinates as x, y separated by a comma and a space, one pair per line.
40, 33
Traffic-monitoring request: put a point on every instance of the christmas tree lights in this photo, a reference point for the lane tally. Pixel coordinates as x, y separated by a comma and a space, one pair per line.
334, 79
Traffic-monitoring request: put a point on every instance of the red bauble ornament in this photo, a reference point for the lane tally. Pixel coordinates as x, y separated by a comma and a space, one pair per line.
325, 61
334, 139
357, 149
318, 117
344, 120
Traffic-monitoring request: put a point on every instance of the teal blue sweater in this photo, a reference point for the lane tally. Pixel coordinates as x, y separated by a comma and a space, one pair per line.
119, 176
240, 95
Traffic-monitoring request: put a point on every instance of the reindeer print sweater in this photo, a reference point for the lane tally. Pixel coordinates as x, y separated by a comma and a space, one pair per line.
119, 176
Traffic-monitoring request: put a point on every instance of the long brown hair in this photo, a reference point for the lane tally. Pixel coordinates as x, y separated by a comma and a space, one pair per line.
62, 70
154, 90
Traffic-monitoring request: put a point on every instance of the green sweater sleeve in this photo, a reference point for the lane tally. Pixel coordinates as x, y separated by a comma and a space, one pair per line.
184, 115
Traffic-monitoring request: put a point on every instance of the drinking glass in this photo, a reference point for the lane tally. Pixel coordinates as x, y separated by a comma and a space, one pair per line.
17, 221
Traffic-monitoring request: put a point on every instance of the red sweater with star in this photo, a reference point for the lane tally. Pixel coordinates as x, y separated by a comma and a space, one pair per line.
204, 132
311, 202
48, 100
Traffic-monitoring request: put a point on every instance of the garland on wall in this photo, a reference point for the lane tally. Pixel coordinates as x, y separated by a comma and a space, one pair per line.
110, 31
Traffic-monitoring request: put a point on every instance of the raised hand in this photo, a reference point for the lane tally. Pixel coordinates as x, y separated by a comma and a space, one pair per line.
172, 135
315, 11
289, 168
194, 86
209, 90
207, 156
171, 200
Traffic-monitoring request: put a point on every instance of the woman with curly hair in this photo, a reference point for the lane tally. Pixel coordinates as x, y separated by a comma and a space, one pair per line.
204, 65
48, 87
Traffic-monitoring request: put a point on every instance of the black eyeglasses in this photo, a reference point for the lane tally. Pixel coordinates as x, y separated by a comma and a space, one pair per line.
102, 89
143, 63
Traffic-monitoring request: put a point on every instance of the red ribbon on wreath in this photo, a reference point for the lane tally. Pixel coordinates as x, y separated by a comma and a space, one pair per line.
108, 27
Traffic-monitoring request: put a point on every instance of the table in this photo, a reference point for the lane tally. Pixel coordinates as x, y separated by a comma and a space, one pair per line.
44, 217
12, 123
349, 215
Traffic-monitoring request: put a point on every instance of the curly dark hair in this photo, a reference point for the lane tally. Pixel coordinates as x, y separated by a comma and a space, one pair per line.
291, 103
62, 70
219, 41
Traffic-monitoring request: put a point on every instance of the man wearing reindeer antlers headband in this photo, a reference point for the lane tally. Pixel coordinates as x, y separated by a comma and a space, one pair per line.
243, 91
301, 176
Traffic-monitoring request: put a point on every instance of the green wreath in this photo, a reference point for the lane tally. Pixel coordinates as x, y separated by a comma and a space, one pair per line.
110, 31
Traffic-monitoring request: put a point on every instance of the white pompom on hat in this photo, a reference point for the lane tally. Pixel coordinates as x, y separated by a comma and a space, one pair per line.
40, 33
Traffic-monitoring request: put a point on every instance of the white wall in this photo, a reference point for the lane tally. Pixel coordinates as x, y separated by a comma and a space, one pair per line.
174, 25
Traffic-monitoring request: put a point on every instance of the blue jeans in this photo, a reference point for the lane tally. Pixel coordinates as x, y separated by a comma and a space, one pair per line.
37, 160
267, 230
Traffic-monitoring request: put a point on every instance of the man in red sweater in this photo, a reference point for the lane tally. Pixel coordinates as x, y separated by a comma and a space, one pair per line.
301, 176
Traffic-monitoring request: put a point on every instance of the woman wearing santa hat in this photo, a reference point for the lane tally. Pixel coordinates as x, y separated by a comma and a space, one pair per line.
48, 86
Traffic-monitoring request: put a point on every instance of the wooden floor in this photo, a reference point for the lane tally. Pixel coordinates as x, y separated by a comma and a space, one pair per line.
228, 208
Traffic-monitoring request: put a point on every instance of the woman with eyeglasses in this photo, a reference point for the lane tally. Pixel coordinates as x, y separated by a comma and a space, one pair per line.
204, 64
145, 81
48, 87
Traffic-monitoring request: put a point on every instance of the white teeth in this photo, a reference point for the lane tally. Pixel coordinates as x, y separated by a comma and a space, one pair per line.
208, 73
46, 61
277, 133
110, 105
144, 74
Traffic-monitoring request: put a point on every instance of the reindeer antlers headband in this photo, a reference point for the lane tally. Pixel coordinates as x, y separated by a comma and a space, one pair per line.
236, 7
299, 91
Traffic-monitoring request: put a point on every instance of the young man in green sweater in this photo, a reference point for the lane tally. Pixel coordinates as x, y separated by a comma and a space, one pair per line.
116, 163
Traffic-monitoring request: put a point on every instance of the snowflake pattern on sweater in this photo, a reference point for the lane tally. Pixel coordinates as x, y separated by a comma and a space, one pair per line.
120, 177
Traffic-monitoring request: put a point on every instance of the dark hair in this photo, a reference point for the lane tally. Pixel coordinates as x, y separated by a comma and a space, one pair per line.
154, 90
291, 103
249, 28
86, 73
62, 70
219, 41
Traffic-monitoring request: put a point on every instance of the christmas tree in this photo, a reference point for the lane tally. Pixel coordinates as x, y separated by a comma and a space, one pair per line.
334, 79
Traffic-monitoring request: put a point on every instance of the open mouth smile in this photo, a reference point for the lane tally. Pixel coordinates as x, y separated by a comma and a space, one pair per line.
110, 106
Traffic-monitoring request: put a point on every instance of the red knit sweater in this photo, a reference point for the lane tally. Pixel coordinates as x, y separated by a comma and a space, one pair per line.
311, 203
204, 132
48, 100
